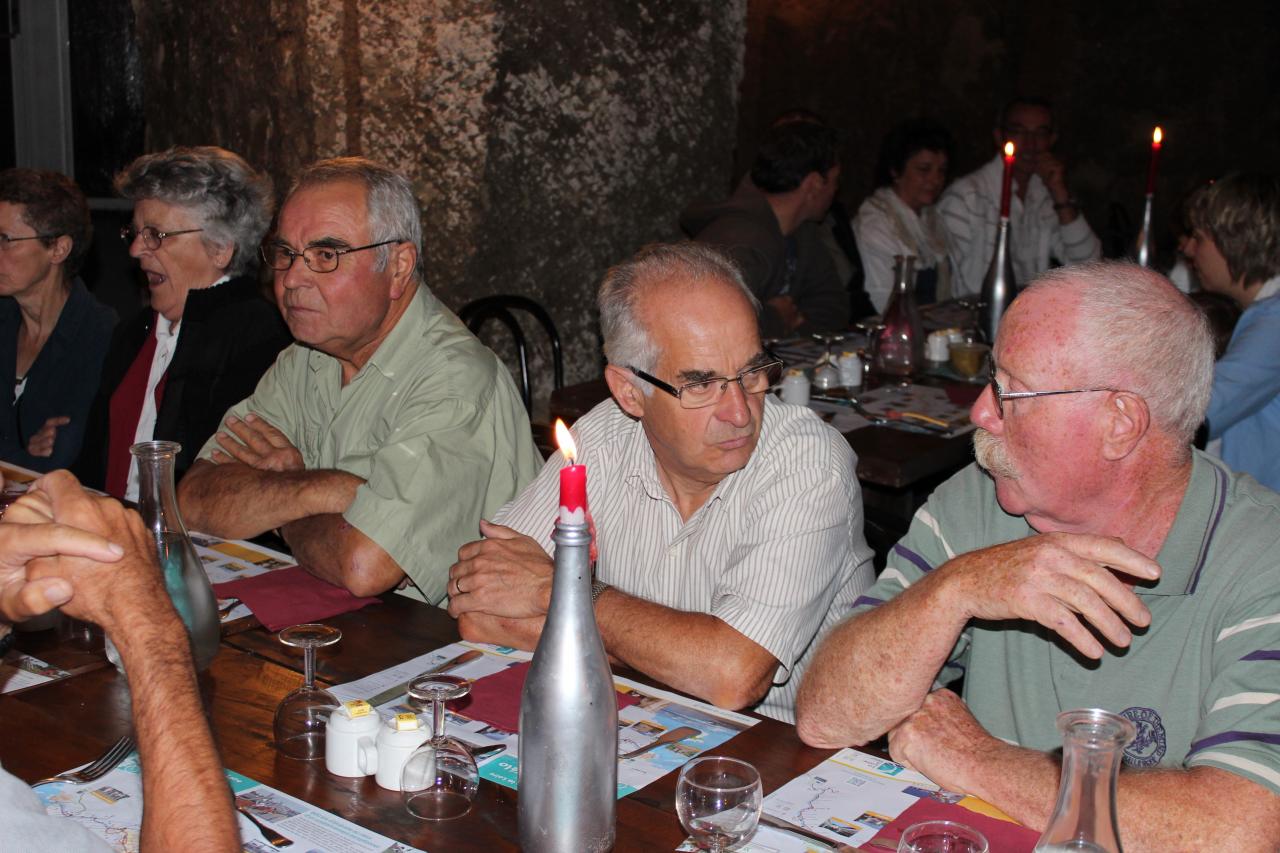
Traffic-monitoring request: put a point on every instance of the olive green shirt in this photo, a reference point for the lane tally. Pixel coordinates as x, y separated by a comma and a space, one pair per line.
433, 423
1199, 684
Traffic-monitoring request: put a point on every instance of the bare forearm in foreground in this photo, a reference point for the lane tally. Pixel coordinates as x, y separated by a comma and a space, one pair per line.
237, 501
331, 549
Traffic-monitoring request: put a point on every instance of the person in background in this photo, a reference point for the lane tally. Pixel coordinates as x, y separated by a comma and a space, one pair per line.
1045, 222
1089, 559
208, 335
1235, 250
62, 547
53, 332
899, 217
762, 227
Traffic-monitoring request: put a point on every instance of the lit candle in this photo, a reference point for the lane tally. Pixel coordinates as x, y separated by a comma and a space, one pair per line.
1008, 180
1157, 137
573, 480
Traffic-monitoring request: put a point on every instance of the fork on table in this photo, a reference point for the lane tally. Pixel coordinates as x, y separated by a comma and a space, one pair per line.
99, 768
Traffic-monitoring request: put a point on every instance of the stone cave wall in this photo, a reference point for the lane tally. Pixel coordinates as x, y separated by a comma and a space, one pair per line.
545, 140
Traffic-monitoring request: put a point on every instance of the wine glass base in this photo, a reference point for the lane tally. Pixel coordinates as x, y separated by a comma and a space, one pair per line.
437, 805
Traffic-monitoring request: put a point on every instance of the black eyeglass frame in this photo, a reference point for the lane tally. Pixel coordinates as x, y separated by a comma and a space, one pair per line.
774, 363
1001, 395
292, 255
128, 234
5, 239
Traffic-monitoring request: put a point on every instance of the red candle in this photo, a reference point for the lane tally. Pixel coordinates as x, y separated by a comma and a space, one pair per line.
1157, 137
1008, 180
573, 480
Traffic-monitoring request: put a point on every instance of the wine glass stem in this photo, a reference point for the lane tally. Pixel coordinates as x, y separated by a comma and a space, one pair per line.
437, 719
309, 665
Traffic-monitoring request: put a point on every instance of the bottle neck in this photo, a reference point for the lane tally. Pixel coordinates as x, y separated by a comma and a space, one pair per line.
571, 585
157, 495
1086, 807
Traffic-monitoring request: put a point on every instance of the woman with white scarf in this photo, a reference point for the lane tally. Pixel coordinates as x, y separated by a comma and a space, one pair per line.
899, 217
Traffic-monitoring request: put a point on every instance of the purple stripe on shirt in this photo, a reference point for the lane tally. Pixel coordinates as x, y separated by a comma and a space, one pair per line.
1232, 737
1263, 654
1213, 526
866, 599
921, 563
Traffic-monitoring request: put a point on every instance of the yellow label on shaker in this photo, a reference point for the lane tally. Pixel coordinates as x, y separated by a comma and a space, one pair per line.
406, 722
357, 708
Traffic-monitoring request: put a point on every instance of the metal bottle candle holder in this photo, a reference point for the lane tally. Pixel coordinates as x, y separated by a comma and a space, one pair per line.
569, 717
999, 286
1143, 251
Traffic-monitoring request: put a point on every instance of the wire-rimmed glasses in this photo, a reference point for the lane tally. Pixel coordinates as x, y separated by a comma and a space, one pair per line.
152, 238
319, 259
5, 239
440, 779
301, 717
1001, 395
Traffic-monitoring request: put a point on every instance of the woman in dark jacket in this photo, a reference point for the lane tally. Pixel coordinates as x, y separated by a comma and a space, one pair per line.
209, 334
53, 333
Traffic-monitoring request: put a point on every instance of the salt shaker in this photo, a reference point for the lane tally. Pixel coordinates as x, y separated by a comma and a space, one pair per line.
850, 370
795, 388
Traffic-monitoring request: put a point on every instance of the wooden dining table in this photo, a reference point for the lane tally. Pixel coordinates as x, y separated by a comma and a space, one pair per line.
69, 722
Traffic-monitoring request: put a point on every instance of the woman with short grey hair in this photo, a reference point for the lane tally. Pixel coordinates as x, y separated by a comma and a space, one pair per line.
207, 334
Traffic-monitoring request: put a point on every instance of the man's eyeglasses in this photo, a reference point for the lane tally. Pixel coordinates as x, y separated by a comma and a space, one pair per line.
151, 238
1017, 131
708, 392
317, 258
5, 239
1001, 395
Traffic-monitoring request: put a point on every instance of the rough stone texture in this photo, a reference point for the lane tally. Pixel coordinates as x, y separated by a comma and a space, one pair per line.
546, 140
1114, 70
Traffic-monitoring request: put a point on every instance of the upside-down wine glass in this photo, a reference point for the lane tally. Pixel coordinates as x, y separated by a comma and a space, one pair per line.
440, 778
718, 800
301, 716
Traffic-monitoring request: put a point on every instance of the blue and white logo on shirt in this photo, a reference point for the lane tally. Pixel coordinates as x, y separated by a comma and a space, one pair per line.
1148, 745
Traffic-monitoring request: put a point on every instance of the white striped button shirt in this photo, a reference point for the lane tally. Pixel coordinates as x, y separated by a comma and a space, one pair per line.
777, 552
970, 210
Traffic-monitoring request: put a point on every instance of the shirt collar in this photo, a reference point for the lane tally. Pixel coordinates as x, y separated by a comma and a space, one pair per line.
1185, 550
1268, 290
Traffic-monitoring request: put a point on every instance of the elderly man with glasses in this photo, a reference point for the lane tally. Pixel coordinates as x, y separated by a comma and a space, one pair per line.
1045, 222
378, 441
729, 525
1091, 558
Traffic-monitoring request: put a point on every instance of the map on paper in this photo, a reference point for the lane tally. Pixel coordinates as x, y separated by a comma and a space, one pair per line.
655, 712
229, 560
111, 807
19, 671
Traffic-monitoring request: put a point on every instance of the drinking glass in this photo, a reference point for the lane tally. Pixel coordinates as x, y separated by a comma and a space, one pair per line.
440, 778
718, 800
302, 716
941, 836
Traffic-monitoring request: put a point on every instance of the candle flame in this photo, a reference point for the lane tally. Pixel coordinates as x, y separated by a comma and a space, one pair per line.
564, 439
1008, 149
1157, 136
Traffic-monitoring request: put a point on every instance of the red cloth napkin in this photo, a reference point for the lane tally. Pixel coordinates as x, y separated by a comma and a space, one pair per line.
291, 596
1002, 835
495, 699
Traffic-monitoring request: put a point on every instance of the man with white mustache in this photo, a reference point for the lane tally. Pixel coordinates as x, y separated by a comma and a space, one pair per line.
1098, 561
729, 525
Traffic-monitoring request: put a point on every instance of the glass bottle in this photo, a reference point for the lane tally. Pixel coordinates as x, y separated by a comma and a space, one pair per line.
998, 286
1084, 818
900, 342
184, 575
569, 718
1142, 251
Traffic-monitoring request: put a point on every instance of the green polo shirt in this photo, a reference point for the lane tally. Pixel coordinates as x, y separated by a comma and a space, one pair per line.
1201, 683
433, 423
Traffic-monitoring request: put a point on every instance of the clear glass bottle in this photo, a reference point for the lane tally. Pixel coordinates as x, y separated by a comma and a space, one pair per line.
1084, 818
184, 575
998, 286
900, 343
569, 718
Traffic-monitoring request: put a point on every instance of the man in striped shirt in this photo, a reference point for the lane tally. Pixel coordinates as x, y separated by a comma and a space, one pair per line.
1045, 222
729, 525
1098, 561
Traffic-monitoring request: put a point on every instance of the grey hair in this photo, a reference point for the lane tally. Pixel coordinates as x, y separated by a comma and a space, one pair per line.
392, 207
1142, 335
626, 341
231, 199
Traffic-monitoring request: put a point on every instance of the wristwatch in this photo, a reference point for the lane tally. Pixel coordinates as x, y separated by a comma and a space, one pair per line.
597, 589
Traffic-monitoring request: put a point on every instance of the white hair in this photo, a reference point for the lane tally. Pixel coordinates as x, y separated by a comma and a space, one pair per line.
1141, 334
